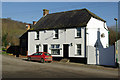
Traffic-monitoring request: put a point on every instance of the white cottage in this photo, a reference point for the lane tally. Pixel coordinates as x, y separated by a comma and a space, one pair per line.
67, 34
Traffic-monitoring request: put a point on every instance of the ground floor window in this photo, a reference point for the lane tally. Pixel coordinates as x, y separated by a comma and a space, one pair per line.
55, 49
78, 49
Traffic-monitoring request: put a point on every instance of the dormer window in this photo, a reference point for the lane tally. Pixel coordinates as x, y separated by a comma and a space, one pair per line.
56, 35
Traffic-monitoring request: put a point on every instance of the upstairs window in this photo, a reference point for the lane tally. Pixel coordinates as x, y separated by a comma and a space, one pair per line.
37, 35
78, 30
56, 34
78, 49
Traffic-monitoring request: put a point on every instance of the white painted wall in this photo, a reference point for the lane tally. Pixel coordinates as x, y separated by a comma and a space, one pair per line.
68, 36
92, 28
118, 48
91, 59
65, 37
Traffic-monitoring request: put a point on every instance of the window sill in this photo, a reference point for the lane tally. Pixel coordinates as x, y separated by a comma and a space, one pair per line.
55, 38
55, 48
77, 55
77, 37
55, 54
36, 39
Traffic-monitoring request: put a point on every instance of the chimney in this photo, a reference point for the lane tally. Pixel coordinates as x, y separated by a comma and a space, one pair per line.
28, 26
34, 22
45, 12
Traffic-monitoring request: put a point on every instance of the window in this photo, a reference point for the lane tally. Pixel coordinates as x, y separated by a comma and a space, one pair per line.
78, 49
37, 48
37, 35
78, 32
40, 53
55, 46
55, 49
56, 34
36, 54
52, 46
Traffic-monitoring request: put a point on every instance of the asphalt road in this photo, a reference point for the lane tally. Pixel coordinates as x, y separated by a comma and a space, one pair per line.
13, 67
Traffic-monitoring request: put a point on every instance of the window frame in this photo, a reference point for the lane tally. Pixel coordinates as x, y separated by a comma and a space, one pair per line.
56, 32
79, 48
56, 47
58, 50
37, 48
78, 31
37, 35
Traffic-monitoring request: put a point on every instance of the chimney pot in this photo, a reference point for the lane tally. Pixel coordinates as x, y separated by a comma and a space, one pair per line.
34, 22
45, 12
28, 26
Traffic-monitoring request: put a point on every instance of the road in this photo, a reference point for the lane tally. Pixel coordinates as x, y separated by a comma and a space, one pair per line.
13, 67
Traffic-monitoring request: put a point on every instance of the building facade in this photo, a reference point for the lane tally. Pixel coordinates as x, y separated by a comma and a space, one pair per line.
67, 34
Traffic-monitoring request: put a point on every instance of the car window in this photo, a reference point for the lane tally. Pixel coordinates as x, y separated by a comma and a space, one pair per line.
35, 53
40, 53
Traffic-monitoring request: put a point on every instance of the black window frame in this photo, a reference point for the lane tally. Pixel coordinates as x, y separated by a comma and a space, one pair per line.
37, 48
37, 35
56, 35
78, 32
55, 50
79, 49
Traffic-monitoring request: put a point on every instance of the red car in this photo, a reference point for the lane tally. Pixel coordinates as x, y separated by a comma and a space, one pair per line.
41, 56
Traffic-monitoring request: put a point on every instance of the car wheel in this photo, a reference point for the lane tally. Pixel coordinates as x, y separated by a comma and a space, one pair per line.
42, 60
29, 58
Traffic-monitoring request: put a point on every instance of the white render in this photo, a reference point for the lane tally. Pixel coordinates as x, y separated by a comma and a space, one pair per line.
92, 28
67, 37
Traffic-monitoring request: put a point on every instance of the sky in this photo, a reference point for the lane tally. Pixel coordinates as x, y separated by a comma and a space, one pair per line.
33, 11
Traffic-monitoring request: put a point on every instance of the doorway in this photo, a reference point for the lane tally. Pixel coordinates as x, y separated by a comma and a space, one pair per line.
45, 48
65, 50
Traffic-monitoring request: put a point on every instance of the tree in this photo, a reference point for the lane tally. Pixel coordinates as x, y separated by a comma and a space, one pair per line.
112, 35
4, 40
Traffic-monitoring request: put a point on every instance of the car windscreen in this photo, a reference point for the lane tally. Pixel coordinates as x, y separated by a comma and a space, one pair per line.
47, 54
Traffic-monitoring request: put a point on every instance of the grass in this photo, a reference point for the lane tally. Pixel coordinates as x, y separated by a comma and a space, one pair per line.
4, 52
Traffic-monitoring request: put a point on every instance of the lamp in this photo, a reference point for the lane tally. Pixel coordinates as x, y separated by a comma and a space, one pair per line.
71, 44
116, 41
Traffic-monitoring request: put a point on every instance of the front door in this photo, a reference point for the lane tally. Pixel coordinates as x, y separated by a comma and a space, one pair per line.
65, 50
45, 48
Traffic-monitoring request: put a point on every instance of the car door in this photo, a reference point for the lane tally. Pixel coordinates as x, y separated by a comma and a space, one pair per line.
40, 55
37, 56
34, 56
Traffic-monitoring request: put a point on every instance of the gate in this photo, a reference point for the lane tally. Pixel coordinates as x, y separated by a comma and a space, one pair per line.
101, 56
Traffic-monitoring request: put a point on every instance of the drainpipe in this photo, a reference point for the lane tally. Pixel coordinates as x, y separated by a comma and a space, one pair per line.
85, 43
108, 33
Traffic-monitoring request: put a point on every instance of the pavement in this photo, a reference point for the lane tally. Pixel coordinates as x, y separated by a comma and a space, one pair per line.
13, 67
